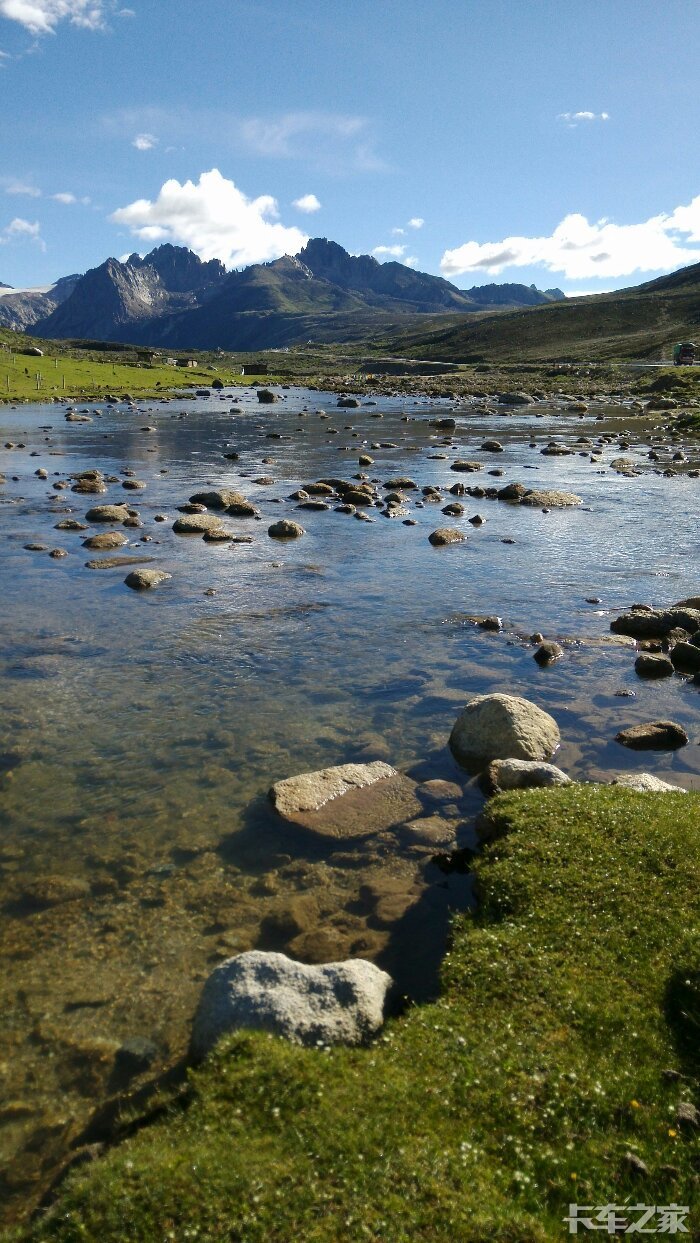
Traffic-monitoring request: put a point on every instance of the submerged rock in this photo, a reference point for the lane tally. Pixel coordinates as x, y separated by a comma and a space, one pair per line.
546, 498
110, 539
143, 580
493, 727
107, 513
217, 498
547, 653
649, 666
446, 535
196, 524
336, 1003
346, 801
285, 529
653, 736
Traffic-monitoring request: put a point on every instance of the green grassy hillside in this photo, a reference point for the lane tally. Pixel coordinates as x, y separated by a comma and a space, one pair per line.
641, 323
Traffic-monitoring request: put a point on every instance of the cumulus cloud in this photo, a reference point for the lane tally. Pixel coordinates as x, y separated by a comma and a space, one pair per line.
389, 252
23, 230
580, 250
572, 119
144, 142
215, 219
40, 17
416, 222
307, 203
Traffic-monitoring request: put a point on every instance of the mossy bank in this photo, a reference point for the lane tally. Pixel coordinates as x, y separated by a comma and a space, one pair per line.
559, 1065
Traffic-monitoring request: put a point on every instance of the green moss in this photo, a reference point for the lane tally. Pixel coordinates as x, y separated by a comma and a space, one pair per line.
564, 1038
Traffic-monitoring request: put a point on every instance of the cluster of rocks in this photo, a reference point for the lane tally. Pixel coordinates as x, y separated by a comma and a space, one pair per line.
668, 639
506, 740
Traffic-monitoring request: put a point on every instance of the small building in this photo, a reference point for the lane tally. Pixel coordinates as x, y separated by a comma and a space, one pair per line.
254, 369
187, 362
145, 356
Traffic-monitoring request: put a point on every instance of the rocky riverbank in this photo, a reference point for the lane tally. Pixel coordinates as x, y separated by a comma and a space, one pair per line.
142, 726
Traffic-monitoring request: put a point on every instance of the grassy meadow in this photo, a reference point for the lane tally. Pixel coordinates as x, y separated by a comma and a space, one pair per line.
73, 373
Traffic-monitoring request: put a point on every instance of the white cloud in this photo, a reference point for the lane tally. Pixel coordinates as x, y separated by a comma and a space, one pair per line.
40, 17
307, 203
276, 136
580, 250
411, 261
416, 222
144, 142
14, 186
572, 119
215, 219
389, 252
399, 232
68, 199
332, 140
23, 230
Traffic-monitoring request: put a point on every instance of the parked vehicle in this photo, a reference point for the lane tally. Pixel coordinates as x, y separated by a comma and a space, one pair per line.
684, 354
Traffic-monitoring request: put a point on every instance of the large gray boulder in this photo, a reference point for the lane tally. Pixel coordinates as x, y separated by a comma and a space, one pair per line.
336, 1003
348, 800
502, 727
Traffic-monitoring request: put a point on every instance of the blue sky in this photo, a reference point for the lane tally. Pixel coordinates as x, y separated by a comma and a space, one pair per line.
545, 141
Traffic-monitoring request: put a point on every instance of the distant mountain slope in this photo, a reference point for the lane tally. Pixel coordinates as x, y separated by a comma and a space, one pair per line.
171, 298
393, 281
107, 301
641, 322
20, 309
490, 296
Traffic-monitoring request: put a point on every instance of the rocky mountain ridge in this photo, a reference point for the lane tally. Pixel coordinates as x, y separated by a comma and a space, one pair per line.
171, 298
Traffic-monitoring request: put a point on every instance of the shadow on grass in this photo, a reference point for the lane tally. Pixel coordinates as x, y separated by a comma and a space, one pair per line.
682, 1013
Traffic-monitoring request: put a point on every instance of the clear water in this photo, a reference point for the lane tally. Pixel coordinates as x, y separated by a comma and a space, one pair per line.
139, 733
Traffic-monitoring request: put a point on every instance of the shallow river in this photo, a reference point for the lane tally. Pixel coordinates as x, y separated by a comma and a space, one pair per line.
139, 733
